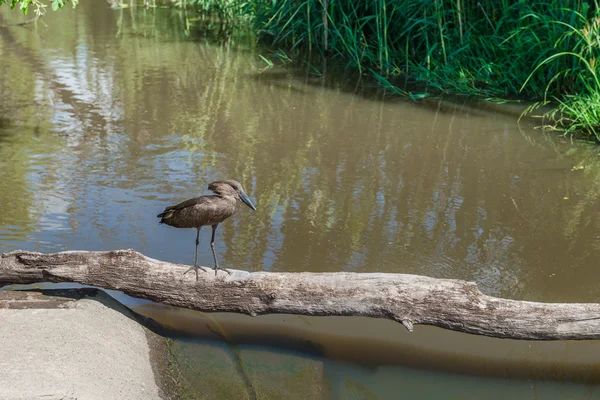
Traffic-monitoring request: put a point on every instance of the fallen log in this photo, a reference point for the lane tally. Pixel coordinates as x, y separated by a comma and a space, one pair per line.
409, 299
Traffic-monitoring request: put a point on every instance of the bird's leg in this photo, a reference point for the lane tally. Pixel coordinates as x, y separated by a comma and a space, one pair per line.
196, 266
212, 247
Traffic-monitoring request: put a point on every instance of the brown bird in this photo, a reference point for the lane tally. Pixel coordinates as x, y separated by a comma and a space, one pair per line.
206, 210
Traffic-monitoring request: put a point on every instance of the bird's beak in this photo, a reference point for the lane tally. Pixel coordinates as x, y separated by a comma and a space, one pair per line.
247, 201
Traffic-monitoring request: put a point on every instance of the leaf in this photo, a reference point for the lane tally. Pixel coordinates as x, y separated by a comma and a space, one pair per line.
24, 6
56, 4
267, 61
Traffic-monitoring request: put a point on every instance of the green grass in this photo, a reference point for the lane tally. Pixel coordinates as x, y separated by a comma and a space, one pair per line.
541, 51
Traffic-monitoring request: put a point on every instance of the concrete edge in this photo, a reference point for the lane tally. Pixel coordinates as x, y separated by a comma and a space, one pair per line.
166, 373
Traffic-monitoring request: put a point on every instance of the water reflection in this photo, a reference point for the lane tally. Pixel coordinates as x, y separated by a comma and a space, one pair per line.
110, 115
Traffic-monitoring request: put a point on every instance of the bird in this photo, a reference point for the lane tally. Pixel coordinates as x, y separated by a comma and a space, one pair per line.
207, 210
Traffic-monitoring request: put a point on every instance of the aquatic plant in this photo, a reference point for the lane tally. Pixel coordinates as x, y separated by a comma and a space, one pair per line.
578, 103
540, 50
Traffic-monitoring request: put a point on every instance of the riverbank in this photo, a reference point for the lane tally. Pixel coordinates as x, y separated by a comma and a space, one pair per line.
540, 53
78, 344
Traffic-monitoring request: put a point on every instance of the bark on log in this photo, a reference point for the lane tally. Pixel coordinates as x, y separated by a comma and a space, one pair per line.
409, 299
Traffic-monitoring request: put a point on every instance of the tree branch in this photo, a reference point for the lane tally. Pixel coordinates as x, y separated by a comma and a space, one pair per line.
29, 21
409, 299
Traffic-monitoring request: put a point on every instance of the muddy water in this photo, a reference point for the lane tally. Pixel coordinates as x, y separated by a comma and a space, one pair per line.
107, 116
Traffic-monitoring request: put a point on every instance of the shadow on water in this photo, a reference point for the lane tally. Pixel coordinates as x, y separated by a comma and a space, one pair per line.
374, 343
340, 79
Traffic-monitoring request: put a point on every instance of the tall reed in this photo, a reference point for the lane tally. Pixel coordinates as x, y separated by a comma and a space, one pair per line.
540, 50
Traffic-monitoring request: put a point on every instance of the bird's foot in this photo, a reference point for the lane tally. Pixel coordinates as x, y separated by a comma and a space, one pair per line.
222, 269
195, 268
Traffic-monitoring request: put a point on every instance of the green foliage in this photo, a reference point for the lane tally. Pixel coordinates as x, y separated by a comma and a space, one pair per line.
539, 50
38, 6
578, 97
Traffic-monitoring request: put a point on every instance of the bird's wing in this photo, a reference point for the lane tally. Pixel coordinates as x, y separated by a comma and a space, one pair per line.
193, 202
188, 203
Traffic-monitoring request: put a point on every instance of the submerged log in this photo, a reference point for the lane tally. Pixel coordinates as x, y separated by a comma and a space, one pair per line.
409, 299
